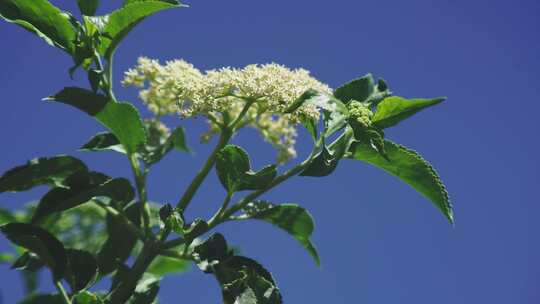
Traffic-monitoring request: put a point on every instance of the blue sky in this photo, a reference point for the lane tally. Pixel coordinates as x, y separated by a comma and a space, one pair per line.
380, 242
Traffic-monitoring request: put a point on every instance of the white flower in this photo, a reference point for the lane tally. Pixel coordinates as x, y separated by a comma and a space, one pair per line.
178, 87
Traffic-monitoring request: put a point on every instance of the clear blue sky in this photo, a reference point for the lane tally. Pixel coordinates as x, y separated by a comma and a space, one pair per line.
380, 241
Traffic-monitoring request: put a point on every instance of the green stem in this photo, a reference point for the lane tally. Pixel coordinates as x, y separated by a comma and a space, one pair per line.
219, 213
62, 292
125, 289
201, 175
255, 194
140, 182
109, 74
118, 215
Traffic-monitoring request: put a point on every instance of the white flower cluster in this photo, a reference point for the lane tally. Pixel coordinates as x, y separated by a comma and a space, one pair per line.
178, 87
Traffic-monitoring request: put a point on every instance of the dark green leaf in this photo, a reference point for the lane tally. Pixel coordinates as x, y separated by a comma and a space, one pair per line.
235, 174
411, 168
43, 299
39, 241
311, 127
120, 22
41, 18
244, 281
359, 89
121, 118
6, 216
82, 269
84, 188
211, 252
323, 164
392, 110
172, 218
146, 290
87, 297
51, 171
335, 112
88, 7
307, 95
196, 228
102, 142
28, 261
178, 139
121, 241
160, 142
94, 77
292, 218
162, 266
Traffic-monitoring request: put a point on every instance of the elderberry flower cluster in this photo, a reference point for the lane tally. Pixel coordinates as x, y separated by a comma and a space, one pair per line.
221, 94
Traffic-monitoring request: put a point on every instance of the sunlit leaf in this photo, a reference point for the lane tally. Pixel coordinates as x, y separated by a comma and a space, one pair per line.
392, 110
43, 19
121, 118
411, 168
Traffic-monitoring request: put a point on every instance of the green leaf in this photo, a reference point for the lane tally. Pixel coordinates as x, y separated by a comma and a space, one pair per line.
6, 258
392, 110
28, 261
39, 241
160, 142
43, 299
83, 188
197, 227
172, 218
323, 164
242, 279
120, 242
178, 139
6, 216
211, 252
43, 19
40, 171
359, 89
162, 266
121, 118
235, 174
146, 291
82, 269
307, 95
88, 7
335, 112
411, 168
326, 161
120, 22
87, 297
292, 218
104, 141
